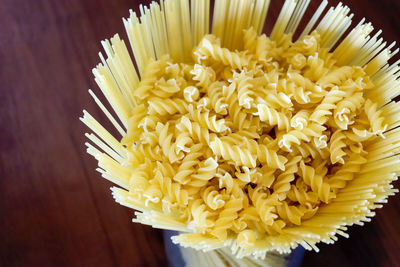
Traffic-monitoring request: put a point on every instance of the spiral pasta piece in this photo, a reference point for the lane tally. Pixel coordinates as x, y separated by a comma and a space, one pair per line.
173, 191
264, 154
205, 120
203, 75
206, 171
233, 153
300, 120
305, 135
290, 213
191, 94
183, 142
265, 204
200, 214
195, 130
213, 198
165, 88
265, 49
149, 77
300, 194
316, 67
310, 150
345, 110
279, 100
225, 181
315, 181
273, 117
246, 239
168, 147
374, 116
244, 87
218, 102
282, 183
207, 49
337, 76
347, 172
240, 120
328, 104
226, 218
138, 114
336, 146
298, 94
162, 107
140, 178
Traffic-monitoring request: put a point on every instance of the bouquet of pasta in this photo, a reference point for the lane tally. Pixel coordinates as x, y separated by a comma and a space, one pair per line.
238, 139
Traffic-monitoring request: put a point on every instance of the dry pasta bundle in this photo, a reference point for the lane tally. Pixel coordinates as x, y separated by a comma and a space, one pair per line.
237, 139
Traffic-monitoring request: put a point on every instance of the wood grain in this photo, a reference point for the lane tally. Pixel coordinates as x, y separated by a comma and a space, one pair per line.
55, 209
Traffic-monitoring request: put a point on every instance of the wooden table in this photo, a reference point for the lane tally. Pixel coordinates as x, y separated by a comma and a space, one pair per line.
55, 209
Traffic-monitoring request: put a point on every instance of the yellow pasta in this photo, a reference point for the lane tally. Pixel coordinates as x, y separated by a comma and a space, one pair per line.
241, 140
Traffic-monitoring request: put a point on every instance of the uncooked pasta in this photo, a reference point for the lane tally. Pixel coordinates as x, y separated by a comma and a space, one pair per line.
240, 140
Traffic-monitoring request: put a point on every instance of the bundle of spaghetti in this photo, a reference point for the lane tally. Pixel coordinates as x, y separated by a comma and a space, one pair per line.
245, 141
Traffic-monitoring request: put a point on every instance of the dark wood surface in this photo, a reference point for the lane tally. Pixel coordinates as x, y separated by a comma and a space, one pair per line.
55, 209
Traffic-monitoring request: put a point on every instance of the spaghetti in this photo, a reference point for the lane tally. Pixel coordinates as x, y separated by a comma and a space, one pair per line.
246, 141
